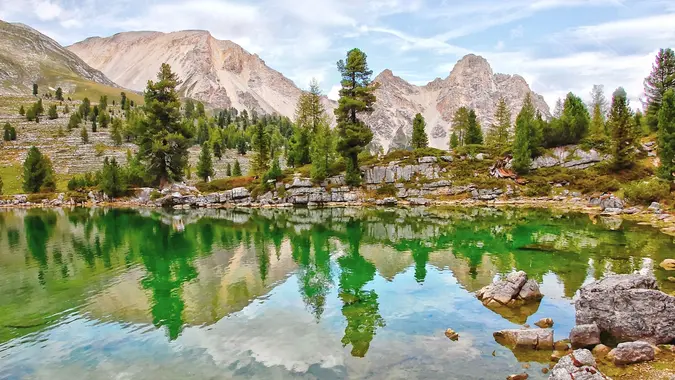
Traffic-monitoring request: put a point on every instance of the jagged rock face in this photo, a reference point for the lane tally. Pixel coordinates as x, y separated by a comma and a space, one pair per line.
470, 84
219, 73
26, 56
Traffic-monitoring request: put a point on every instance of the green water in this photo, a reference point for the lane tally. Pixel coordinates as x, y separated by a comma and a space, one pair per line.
286, 294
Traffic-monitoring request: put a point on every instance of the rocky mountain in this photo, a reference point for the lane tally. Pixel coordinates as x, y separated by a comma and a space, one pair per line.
27, 57
471, 83
219, 73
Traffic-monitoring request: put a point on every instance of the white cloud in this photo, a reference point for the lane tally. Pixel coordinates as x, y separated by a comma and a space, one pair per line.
333, 94
47, 10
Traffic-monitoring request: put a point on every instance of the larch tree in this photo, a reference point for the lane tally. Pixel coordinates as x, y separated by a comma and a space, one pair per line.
460, 124
598, 107
419, 135
474, 134
356, 98
498, 138
666, 136
623, 134
163, 140
522, 149
660, 80
205, 164
260, 143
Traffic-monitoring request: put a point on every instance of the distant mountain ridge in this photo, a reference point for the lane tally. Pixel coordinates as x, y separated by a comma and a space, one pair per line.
28, 56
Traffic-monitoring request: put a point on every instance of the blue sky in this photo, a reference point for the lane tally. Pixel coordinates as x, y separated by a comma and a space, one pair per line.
557, 45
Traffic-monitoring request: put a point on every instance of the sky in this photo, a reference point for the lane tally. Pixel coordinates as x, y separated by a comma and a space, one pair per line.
557, 45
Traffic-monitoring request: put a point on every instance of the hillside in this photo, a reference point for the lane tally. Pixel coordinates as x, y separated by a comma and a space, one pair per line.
27, 57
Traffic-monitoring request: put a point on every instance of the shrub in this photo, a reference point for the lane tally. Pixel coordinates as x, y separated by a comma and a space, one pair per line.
99, 149
645, 192
387, 190
538, 189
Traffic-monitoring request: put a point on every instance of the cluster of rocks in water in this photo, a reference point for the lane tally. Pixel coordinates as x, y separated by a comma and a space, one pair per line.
628, 311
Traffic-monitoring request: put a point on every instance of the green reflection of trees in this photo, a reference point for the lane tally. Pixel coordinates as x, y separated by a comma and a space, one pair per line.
360, 307
314, 273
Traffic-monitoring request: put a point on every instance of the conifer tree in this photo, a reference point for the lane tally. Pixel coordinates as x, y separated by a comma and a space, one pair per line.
103, 104
39, 108
9, 133
200, 110
103, 119
522, 149
123, 101
52, 114
66, 110
454, 140
94, 126
84, 135
460, 124
474, 134
419, 135
203, 134
85, 109
205, 164
35, 89
30, 114
74, 121
660, 80
38, 173
22, 111
323, 152
260, 143
309, 112
356, 97
666, 135
59, 94
112, 181
228, 170
598, 108
162, 138
217, 150
498, 138
116, 131
236, 172
623, 134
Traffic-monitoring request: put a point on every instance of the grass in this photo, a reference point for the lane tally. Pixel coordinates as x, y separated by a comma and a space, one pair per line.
12, 178
225, 184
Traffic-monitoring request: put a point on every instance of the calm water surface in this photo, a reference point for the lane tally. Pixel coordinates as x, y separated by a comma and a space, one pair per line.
291, 294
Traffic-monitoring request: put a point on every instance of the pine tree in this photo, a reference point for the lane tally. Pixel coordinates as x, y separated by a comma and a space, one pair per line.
52, 114
74, 121
22, 111
9, 133
38, 173
460, 124
103, 104
474, 134
309, 112
454, 140
116, 131
39, 108
323, 152
498, 138
217, 150
558, 109
598, 108
163, 139
123, 101
112, 181
59, 94
419, 138
103, 119
94, 113
205, 164
35, 89
241, 146
260, 143
200, 110
522, 149
356, 97
660, 80
300, 147
274, 173
623, 134
236, 172
30, 114
666, 135
84, 135
85, 109
228, 170
203, 134
94, 126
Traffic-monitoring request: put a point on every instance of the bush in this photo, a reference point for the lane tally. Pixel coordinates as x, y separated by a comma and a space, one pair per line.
645, 192
99, 149
387, 190
538, 189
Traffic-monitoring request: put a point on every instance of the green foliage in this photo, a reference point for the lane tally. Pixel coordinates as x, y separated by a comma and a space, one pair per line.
35, 89
93, 116
84, 135
103, 119
9, 133
498, 138
419, 134
38, 173
205, 164
666, 136
241, 146
134, 171
356, 97
522, 148
200, 110
112, 181
74, 121
597, 129
387, 190
274, 173
323, 152
103, 104
85, 109
260, 142
570, 128
31, 114
460, 125
309, 112
202, 131
94, 126
59, 94
162, 139
660, 80
623, 134
645, 192
22, 111
116, 131
52, 114
236, 171
99, 149
189, 109
124, 102
474, 135
217, 150
299, 153
539, 188
454, 140
228, 170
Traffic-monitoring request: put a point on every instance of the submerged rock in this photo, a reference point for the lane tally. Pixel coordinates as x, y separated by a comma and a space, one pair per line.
516, 290
668, 264
536, 339
628, 308
544, 323
520, 376
451, 334
579, 365
631, 353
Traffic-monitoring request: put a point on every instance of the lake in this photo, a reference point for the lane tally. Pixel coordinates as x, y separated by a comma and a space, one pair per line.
335, 293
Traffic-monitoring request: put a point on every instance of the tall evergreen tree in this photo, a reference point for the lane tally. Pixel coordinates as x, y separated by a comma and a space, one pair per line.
660, 80
162, 139
356, 97
112, 181
52, 114
103, 104
59, 94
522, 144
309, 112
623, 134
460, 124
203, 134
228, 170
558, 109
217, 150
474, 134
666, 135
498, 138
9, 132
575, 120
38, 173
74, 121
598, 108
419, 134
123, 101
454, 140
22, 111
39, 108
84, 135
236, 171
116, 131
260, 142
205, 164
35, 89
85, 108
201, 112
323, 152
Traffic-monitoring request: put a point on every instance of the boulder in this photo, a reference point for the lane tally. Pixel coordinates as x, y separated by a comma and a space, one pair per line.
537, 339
668, 264
579, 365
655, 207
299, 183
611, 202
427, 160
240, 193
585, 335
447, 158
389, 201
515, 290
544, 323
631, 353
628, 308
419, 201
